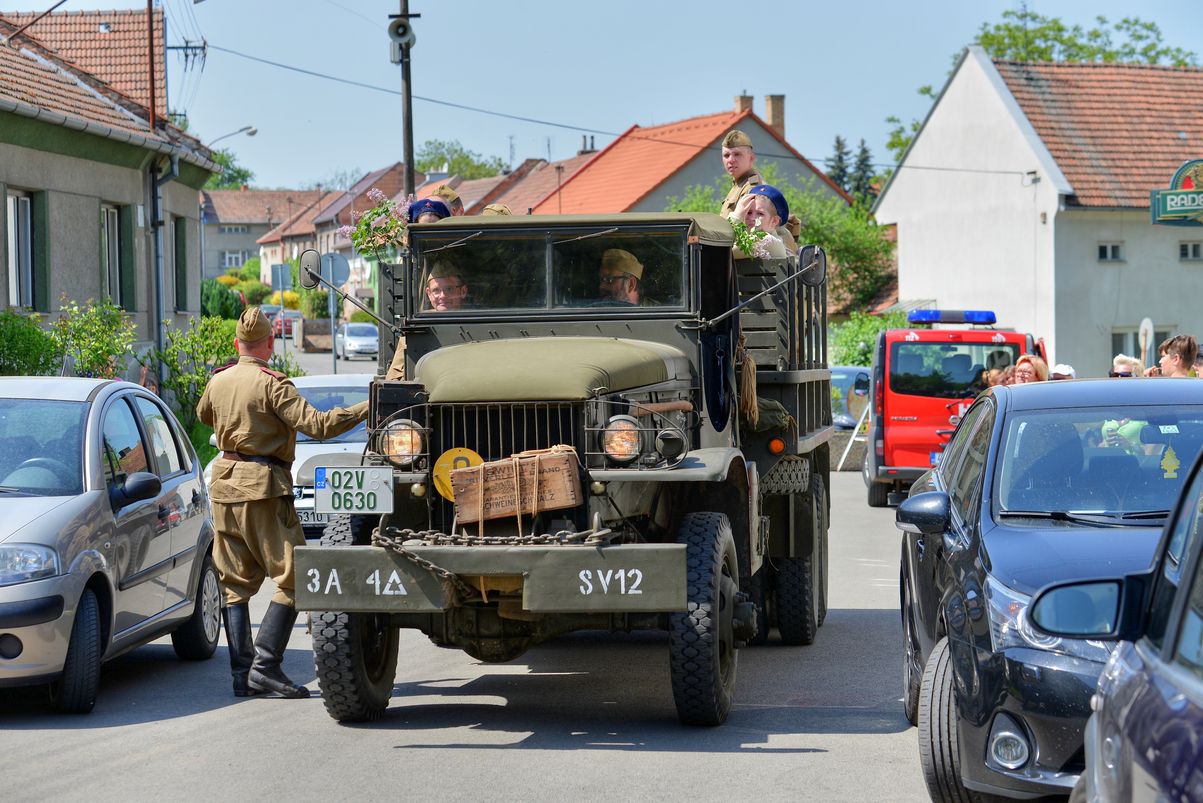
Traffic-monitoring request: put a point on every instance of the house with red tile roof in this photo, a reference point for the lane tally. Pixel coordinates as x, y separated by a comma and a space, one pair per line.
288, 239
234, 220
644, 168
1026, 191
97, 201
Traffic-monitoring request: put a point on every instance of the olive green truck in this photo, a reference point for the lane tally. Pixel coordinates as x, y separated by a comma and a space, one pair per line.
601, 423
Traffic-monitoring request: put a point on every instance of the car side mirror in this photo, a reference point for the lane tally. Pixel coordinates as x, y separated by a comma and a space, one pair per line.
1111, 609
137, 486
861, 387
925, 514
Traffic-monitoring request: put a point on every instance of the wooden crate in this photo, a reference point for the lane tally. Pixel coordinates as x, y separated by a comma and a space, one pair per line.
546, 480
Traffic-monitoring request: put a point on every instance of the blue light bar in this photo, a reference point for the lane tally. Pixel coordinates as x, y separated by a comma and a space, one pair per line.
979, 316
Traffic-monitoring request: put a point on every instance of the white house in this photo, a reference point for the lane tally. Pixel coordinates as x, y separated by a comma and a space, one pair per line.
1026, 191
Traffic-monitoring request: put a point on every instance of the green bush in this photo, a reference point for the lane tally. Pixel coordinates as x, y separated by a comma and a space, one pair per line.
852, 342
187, 361
26, 349
315, 304
359, 316
218, 301
254, 291
97, 336
285, 364
249, 272
199, 435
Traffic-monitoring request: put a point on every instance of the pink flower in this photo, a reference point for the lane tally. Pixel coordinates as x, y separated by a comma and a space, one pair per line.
375, 195
346, 231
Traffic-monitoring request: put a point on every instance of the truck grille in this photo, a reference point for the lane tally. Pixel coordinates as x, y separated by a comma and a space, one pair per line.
496, 431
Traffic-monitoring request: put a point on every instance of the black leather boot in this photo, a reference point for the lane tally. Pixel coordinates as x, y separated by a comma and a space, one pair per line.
266, 674
237, 621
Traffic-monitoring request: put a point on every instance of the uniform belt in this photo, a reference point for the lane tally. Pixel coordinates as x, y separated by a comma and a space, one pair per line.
264, 460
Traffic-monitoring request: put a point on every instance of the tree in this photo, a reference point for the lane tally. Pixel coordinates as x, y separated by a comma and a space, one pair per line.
837, 165
1024, 35
437, 155
858, 251
852, 342
860, 183
232, 175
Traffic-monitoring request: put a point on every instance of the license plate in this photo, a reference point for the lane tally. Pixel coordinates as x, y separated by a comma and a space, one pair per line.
353, 489
309, 517
935, 458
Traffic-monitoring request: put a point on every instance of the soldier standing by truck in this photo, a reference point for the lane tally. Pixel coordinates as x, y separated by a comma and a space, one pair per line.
255, 414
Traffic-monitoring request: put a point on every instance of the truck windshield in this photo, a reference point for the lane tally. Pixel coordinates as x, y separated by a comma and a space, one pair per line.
946, 370
562, 270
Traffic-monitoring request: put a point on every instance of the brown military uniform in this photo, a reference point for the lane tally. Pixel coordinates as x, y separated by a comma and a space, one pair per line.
738, 190
255, 414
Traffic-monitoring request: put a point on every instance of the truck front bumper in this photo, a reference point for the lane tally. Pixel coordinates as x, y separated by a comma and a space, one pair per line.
645, 578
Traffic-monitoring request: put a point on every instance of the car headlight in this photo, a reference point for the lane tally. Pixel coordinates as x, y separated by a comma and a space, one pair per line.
20, 563
1009, 627
621, 439
401, 442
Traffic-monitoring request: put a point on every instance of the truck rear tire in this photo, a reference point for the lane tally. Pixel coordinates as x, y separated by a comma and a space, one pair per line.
701, 640
354, 654
814, 516
797, 600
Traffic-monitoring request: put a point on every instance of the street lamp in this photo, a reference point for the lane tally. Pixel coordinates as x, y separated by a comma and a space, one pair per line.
249, 130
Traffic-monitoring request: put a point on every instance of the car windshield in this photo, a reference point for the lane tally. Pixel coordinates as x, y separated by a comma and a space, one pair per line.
41, 447
361, 330
946, 370
562, 270
1120, 462
327, 398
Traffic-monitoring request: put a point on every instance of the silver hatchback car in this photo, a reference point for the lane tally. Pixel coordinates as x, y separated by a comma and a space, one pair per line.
105, 534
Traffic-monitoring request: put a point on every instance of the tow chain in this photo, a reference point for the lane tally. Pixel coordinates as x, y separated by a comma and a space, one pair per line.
398, 538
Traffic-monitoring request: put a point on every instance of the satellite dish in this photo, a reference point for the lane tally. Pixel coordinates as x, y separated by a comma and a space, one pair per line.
311, 268
812, 262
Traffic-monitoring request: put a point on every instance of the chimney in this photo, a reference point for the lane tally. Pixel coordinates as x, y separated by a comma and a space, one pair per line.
774, 113
587, 145
244, 188
743, 103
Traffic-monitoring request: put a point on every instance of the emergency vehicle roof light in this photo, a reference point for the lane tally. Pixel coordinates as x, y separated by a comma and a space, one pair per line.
979, 316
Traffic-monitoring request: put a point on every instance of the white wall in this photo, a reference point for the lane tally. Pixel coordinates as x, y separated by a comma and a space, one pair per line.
970, 232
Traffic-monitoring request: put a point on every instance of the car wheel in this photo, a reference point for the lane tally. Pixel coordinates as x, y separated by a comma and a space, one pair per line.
196, 639
910, 678
939, 755
75, 690
879, 494
701, 640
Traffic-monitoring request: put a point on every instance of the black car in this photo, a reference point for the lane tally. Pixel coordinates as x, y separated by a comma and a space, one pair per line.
1144, 740
1041, 483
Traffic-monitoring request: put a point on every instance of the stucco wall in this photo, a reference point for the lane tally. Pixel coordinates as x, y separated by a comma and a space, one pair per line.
974, 231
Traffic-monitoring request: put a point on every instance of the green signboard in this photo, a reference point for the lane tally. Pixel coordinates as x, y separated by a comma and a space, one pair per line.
1182, 203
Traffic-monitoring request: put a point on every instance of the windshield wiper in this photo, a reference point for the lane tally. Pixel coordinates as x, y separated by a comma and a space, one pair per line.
1145, 514
1061, 515
455, 244
589, 236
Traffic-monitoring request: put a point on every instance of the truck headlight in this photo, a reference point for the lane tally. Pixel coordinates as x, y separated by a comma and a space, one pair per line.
402, 442
621, 439
20, 563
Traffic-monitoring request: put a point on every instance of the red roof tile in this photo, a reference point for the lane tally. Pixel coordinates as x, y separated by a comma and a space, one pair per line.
253, 206
543, 178
108, 44
1116, 131
299, 225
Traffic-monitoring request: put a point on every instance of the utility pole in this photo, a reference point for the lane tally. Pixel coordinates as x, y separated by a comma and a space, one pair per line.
401, 32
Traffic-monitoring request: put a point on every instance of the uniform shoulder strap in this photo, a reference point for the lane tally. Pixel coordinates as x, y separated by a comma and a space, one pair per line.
270, 372
219, 369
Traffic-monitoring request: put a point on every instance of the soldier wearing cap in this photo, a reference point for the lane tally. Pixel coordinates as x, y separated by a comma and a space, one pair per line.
446, 289
496, 209
428, 210
739, 160
255, 414
450, 197
621, 278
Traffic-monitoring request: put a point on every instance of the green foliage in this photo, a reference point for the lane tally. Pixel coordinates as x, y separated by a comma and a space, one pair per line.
378, 231
837, 164
285, 364
233, 175
359, 316
860, 183
98, 337
852, 342
858, 252
199, 435
26, 349
250, 270
255, 291
187, 361
436, 153
218, 300
315, 303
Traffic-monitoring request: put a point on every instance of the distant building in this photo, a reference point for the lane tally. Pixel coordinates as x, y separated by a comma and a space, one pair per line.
1026, 191
234, 220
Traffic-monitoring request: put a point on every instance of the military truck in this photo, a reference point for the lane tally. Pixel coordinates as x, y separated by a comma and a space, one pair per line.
552, 458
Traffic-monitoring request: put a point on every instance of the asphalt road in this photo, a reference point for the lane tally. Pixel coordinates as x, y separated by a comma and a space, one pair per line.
586, 717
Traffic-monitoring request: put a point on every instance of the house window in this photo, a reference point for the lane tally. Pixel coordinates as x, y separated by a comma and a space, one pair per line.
110, 253
1110, 252
1190, 252
232, 229
233, 259
179, 236
1127, 341
19, 209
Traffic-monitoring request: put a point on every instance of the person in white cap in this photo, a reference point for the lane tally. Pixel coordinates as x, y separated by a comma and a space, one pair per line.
1063, 371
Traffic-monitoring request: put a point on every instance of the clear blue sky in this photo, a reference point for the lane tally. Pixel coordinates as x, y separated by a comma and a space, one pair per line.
604, 65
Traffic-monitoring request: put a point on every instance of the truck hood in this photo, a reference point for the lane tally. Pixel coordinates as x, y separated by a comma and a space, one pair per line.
551, 368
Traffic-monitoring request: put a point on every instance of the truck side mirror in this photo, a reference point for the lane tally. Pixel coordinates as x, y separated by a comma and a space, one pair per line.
311, 268
812, 262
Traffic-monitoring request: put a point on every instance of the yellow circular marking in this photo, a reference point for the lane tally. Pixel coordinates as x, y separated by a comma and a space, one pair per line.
457, 457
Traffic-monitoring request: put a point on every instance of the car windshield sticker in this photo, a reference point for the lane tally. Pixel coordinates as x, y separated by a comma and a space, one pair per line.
1168, 429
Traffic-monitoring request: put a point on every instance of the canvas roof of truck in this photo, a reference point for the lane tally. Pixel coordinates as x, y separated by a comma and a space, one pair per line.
710, 229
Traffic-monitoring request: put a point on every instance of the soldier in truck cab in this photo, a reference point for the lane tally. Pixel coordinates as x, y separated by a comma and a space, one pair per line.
620, 279
446, 289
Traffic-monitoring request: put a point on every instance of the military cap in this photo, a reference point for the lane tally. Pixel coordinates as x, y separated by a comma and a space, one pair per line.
774, 195
419, 208
736, 139
443, 269
252, 325
447, 194
496, 209
618, 259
